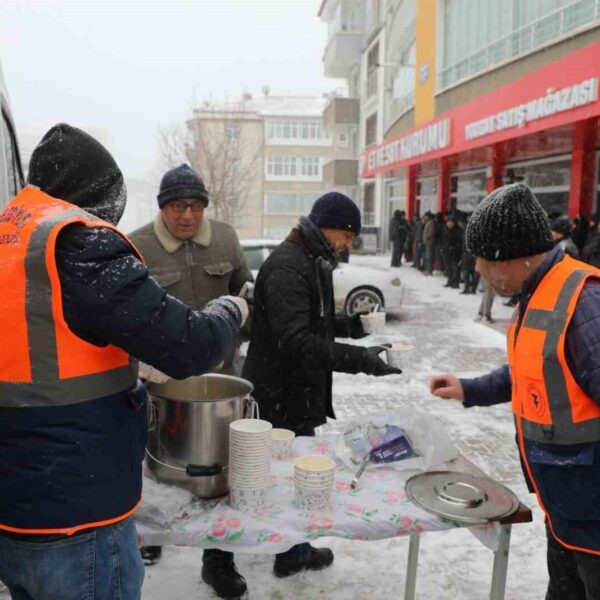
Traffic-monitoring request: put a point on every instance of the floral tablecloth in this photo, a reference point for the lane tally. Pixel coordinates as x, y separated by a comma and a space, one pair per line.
377, 509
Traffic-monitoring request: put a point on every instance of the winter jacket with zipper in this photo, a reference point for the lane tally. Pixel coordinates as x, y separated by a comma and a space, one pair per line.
209, 265
571, 474
292, 352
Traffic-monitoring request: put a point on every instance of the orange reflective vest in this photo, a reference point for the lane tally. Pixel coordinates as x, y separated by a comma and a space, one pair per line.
42, 362
548, 405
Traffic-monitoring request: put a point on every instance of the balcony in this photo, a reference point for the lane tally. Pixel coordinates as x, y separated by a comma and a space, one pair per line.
340, 173
342, 52
340, 114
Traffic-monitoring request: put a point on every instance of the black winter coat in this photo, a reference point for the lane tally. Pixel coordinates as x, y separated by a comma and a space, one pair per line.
454, 243
292, 352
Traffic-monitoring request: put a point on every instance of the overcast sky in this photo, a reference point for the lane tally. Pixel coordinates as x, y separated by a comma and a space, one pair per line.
123, 67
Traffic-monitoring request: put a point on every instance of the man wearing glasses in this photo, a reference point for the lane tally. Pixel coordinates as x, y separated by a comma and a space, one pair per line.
195, 259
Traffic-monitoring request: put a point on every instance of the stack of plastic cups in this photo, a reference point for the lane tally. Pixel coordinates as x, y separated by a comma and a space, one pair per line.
249, 463
313, 482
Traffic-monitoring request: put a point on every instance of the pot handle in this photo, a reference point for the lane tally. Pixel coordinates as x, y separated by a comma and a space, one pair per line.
192, 470
252, 409
204, 470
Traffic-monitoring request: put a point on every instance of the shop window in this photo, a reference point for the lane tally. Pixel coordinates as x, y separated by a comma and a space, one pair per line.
426, 195
467, 190
549, 179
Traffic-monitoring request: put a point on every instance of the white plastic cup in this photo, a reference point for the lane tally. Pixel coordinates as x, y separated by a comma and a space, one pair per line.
282, 442
373, 322
398, 354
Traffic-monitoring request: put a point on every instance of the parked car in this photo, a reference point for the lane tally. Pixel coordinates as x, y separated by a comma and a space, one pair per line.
356, 289
11, 172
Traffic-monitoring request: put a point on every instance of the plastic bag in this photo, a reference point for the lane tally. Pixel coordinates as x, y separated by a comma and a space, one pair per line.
425, 440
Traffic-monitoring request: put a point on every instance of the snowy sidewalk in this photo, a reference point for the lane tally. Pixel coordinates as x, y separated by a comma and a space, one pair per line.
453, 565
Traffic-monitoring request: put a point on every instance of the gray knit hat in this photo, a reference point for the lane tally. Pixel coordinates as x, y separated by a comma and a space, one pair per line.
509, 223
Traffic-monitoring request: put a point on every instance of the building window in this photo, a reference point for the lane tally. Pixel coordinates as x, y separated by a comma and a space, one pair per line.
372, 69
368, 211
232, 131
310, 166
371, 130
290, 202
548, 178
301, 131
481, 33
467, 190
294, 167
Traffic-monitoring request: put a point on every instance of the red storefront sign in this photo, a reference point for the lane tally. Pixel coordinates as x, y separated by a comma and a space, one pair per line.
560, 93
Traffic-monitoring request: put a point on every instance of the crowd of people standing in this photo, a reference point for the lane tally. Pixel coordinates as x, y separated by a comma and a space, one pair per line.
436, 242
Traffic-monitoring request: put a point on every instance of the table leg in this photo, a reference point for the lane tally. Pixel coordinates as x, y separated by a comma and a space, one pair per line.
411, 567
500, 564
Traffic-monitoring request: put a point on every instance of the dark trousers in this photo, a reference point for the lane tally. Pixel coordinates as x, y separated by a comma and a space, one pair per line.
573, 575
471, 278
299, 552
453, 272
397, 251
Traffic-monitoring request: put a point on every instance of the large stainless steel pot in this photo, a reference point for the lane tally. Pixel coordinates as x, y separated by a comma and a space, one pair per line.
188, 438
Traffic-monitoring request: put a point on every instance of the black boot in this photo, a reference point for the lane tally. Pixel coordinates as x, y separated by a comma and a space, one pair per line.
301, 557
150, 554
225, 580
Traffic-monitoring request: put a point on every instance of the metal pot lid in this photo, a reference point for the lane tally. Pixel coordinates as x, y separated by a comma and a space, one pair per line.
461, 497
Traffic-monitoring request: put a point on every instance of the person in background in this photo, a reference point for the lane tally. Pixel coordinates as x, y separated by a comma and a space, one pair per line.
561, 232
552, 378
485, 306
591, 251
428, 243
196, 259
293, 353
418, 242
79, 308
398, 233
470, 274
454, 248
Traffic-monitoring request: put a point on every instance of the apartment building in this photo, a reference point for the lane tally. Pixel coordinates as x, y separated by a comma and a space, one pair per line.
457, 97
279, 147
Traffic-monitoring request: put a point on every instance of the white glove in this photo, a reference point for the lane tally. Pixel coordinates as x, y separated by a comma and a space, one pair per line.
149, 373
242, 306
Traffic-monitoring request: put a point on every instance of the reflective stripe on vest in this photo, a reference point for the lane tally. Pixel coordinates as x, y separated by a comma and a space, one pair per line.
545, 403
50, 365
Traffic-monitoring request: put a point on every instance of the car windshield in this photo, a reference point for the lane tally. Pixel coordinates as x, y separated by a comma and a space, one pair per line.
254, 257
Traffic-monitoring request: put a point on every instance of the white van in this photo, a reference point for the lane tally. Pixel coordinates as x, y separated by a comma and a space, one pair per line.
11, 172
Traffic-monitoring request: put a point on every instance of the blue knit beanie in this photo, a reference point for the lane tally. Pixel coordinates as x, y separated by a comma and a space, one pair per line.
336, 211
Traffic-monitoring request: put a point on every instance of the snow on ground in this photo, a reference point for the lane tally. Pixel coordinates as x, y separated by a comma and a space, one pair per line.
453, 565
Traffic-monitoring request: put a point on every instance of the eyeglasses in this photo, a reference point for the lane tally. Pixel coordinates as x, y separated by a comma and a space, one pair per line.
179, 206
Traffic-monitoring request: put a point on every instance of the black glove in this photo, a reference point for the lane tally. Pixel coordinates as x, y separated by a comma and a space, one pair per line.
355, 326
373, 365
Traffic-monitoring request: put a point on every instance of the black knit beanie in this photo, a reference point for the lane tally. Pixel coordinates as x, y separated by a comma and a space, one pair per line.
180, 183
509, 223
336, 211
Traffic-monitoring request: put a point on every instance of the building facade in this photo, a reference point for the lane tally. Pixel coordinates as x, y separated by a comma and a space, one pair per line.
478, 93
280, 150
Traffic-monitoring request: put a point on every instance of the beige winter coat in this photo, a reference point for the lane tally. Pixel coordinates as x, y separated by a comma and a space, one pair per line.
209, 265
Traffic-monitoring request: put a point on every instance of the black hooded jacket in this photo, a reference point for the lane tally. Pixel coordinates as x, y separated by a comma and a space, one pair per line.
292, 351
